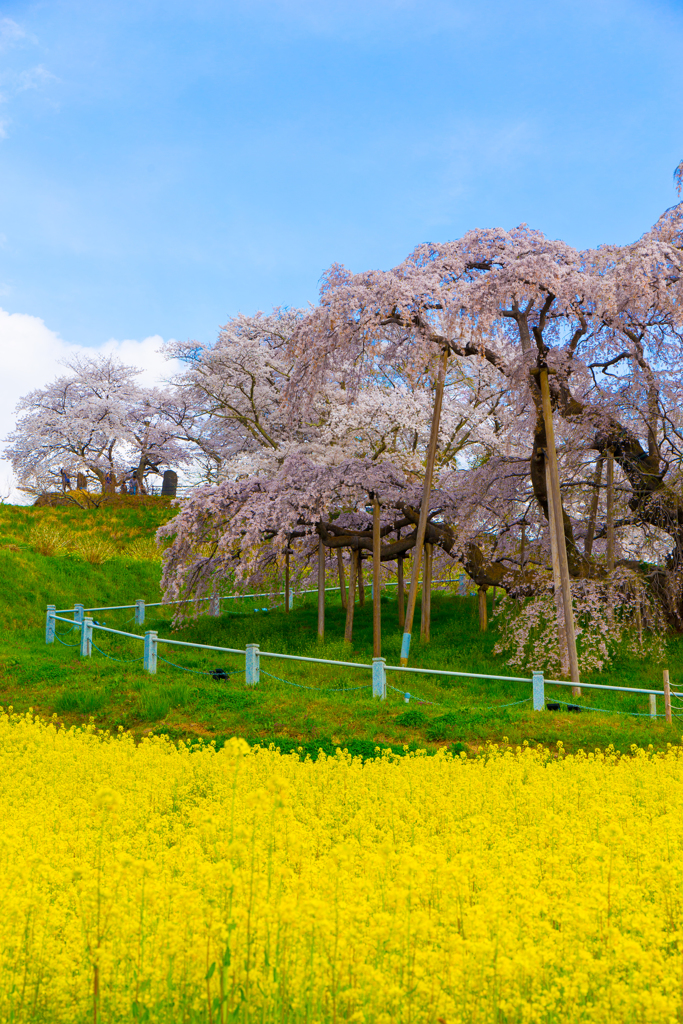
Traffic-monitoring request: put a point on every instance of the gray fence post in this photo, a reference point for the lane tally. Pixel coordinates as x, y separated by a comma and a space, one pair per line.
139, 612
79, 615
538, 685
252, 665
150, 656
86, 638
653, 705
379, 678
215, 605
291, 599
50, 624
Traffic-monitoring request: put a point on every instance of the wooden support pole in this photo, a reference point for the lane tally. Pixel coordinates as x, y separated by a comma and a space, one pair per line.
351, 598
610, 512
667, 695
483, 611
561, 539
287, 599
426, 610
593, 514
557, 580
376, 592
361, 581
639, 620
424, 509
321, 589
400, 593
342, 582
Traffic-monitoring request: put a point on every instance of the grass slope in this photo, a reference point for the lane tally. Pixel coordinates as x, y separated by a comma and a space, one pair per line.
296, 705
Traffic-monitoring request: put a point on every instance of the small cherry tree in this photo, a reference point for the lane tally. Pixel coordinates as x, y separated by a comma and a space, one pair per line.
96, 420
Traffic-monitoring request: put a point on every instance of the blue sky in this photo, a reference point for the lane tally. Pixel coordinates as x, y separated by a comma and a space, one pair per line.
165, 165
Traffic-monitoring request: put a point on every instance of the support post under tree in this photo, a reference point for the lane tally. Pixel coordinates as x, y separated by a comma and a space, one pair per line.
321, 589
351, 599
361, 581
342, 582
561, 539
483, 611
376, 592
400, 594
424, 509
557, 580
287, 601
426, 616
610, 512
593, 513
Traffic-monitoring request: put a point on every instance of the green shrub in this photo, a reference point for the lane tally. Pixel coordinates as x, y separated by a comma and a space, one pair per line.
413, 716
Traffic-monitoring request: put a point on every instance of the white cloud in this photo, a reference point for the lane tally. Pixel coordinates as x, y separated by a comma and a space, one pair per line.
30, 356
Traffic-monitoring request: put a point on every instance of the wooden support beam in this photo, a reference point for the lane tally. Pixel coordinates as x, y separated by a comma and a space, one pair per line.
551, 452
351, 598
376, 592
425, 621
483, 611
342, 581
321, 589
610, 512
424, 509
557, 579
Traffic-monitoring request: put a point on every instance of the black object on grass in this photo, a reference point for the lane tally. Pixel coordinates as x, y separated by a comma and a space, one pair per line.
554, 707
219, 673
573, 707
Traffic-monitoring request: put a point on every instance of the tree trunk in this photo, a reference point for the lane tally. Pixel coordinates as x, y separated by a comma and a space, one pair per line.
376, 592
287, 591
557, 579
483, 612
593, 514
559, 529
425, 618
351, 598
424, 509
342, 582
321, 589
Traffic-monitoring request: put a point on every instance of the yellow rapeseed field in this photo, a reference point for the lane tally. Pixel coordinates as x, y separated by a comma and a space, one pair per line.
153, 883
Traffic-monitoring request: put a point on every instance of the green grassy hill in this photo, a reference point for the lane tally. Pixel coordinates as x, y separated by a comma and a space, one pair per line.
106, 556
